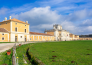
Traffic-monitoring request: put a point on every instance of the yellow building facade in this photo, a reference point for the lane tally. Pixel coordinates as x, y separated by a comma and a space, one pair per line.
4, 35
14, 30
85, 38
34, 36
74, 37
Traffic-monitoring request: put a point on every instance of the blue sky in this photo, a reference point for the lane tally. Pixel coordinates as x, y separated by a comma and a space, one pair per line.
74, 16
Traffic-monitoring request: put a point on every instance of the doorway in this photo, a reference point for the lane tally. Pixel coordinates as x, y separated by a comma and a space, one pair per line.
25, 39
15, 38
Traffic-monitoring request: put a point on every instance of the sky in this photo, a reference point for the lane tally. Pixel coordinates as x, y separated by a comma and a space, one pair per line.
74, 16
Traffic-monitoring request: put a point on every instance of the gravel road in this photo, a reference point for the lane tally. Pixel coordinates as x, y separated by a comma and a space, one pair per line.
6, 46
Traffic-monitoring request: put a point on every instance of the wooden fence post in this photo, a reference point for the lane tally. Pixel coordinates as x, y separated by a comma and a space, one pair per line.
14, 57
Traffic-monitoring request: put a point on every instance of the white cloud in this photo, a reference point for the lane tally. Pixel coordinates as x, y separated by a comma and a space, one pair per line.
87, 22
3, 11
39, 15
89, 28
42, 18
81, 14
41, 27
77, 15
65, 8
39, 18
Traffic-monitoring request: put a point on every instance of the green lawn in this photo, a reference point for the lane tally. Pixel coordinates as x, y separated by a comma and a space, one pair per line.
6, 59
54, 53
21, 54
64, 53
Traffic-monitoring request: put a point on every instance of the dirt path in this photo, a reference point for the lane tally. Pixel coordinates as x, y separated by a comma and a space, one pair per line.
6, 46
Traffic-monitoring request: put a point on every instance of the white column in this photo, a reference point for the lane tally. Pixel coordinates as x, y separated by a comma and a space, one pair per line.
8, 37
38, 38
10, 26
33, 37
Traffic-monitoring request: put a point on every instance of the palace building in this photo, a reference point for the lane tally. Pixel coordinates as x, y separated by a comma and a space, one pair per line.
14, 30
60, 34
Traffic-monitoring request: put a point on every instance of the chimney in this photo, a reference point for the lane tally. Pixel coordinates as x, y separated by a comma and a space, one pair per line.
9, 17
26, 21
5, 18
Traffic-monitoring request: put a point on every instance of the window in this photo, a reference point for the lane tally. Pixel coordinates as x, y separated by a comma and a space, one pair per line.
6, 23
2, 38
15, 29
59, 34
25, 25
25, 30
35, 38
20, 36
30, 39
16, 23
0, 24
2, 33
40, 38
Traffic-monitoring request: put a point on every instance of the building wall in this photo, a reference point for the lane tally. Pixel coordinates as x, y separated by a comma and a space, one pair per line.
5, 36
20, 34
31, 37
20, 37
6, 26
12, 37
41, 38
85, 38
74, 37
71, 36
52, 33
20, 27
65, 36
60, 35
35, 38
56, 35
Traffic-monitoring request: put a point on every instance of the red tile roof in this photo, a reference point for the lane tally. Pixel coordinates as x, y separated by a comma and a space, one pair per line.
16, 20
36, 33
3, 30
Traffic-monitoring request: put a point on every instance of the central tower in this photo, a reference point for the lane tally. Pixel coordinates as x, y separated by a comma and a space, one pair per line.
57, 27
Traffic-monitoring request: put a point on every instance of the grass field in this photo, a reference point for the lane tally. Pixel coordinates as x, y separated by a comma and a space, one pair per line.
5, 59
54, 53
64, 53
21, 54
